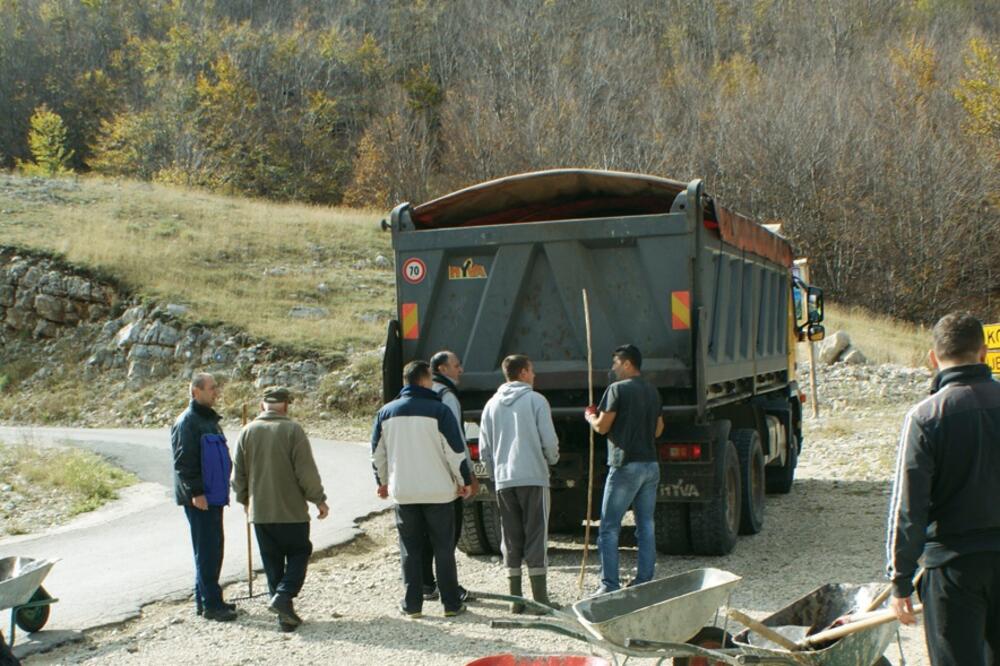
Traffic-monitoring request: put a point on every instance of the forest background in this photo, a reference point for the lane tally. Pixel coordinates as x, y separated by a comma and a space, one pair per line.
869, 128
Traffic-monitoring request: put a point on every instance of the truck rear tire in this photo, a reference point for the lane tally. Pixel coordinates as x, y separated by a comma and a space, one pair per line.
781, 477
751, 454
491, 525
473, 538
715, 524
673, 534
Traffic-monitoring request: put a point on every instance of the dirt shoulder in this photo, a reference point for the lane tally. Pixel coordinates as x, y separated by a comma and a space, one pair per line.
830, 528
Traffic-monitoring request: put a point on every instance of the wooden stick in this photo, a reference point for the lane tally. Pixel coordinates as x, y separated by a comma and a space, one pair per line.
762, 630
246, 515
590, 475
872, 620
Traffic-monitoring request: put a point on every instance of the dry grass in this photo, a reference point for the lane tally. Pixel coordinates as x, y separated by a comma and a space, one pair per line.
237, 261
881, 339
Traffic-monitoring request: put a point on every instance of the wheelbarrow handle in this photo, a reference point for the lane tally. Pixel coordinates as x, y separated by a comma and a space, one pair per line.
531, 603
539, 624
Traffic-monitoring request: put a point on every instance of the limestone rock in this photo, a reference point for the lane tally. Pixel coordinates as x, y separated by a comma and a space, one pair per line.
833, 346
51, 308
307, 312
853, 356
7, 294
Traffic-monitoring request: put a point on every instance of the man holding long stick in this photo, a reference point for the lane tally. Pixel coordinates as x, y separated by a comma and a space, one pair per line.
275, 476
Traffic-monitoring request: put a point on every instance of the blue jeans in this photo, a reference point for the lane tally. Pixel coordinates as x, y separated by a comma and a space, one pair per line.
208, 542
632, 484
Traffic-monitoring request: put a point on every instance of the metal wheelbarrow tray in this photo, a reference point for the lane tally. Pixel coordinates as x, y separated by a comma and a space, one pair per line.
816, 611
669, 610
21, 590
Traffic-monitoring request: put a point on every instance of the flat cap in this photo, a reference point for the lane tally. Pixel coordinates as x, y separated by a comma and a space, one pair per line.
277, 394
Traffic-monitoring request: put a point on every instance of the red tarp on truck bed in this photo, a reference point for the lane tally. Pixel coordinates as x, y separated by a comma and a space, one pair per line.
564, 194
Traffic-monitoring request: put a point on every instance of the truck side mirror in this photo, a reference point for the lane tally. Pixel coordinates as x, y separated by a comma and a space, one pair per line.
815, 306
816, 332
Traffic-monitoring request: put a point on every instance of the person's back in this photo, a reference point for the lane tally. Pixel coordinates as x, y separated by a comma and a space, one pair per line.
944, 511
281, 471
522, 439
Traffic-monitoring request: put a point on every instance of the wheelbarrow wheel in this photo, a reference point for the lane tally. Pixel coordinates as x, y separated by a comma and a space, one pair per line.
711, 638
33, 619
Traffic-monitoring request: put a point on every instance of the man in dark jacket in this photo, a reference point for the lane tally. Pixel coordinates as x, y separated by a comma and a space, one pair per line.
946, 503
201, 485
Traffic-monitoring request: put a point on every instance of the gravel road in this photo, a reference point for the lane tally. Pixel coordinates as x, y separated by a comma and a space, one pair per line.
830, 528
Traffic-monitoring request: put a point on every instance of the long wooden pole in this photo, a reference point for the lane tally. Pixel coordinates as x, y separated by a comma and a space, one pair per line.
590, 475
246, 515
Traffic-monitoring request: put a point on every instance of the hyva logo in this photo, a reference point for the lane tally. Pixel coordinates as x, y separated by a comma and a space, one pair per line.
679, 488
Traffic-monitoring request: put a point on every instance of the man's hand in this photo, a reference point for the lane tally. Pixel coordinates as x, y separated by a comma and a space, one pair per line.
383, 491
200, 502
903, 608
474, 487
324, 510
465, 492
590, 412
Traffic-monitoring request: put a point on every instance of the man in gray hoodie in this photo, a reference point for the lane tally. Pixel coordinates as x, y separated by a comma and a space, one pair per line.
517, 443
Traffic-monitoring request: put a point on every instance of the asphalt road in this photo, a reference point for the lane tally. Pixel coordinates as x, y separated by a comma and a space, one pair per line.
137, 550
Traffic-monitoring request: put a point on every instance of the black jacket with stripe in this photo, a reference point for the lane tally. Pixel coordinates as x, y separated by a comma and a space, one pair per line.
946, 494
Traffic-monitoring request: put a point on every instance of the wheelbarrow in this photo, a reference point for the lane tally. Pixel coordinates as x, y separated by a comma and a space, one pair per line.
651, 620
21, 591
810, 615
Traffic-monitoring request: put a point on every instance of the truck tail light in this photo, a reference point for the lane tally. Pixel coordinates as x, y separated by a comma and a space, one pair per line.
674, 452
474, 450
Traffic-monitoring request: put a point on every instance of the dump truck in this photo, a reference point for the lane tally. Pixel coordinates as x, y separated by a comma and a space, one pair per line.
708, 296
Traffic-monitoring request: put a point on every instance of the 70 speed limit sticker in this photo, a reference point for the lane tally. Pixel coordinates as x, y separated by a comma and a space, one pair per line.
414, 270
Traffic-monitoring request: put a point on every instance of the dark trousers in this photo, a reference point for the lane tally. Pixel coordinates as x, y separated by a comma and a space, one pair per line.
428, 553
284, 549
962, 611
524, 529
415, 522
208, 542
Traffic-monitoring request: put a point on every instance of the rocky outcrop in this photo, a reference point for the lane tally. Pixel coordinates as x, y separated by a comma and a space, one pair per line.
43, 298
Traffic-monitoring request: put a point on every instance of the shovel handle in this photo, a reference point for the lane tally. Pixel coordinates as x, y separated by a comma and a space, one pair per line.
872, 620
762, 630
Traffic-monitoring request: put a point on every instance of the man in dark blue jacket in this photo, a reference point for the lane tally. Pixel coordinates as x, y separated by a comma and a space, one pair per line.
946, 503
201, 485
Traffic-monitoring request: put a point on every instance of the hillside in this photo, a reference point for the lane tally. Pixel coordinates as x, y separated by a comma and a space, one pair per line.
300, 293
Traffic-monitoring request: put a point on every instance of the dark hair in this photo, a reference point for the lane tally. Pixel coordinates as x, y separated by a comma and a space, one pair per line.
439, 359
415, 371
513, 365
629, 353
958, 335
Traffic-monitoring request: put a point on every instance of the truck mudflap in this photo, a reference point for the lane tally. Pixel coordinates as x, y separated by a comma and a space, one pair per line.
691, 480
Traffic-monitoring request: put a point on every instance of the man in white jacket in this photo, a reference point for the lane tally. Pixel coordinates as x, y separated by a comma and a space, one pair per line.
517, 443
418, 453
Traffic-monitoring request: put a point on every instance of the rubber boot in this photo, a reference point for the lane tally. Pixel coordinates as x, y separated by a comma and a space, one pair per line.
540, 593
514, 582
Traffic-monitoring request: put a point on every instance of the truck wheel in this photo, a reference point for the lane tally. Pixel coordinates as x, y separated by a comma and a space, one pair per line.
491, 525
715, 524
33, 619
780, 477
673, 535
473, 538
747, 441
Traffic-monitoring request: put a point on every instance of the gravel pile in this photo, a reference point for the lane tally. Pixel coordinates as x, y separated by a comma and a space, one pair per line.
830, 528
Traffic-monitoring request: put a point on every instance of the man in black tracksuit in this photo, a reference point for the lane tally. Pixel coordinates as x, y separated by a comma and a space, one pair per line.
946, 503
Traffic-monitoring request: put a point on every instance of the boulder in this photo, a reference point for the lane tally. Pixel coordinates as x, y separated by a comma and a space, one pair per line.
853, 356
307, 312
381, 261
7, 295
159, 333
833, 346
129, 335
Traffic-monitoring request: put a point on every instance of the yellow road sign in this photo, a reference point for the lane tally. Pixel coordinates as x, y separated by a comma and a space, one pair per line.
992, 332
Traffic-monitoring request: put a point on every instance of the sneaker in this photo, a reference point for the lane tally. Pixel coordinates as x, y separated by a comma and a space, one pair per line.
413, 615
199, 610
282, 605
464, 595
286, 628
458, 611
601, 590
430, 592
219, 614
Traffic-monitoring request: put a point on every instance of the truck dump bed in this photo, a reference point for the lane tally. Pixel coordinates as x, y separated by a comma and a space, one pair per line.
498, 268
